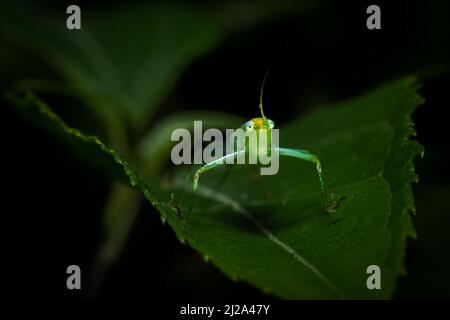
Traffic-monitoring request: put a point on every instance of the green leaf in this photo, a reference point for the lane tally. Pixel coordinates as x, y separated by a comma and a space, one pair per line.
89, 148
270, 231
123, 60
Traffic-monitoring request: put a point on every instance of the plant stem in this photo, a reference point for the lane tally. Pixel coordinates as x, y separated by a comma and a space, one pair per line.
120, 213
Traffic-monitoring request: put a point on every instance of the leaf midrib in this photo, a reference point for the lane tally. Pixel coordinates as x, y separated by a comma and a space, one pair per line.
226, 200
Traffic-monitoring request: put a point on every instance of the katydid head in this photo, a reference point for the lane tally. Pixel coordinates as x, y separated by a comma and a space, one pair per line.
256, 124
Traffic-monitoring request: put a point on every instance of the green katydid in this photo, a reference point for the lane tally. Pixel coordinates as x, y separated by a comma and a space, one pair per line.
254, 126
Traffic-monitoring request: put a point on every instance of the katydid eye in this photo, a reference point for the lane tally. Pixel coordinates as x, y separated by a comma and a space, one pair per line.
249, 125
271, 123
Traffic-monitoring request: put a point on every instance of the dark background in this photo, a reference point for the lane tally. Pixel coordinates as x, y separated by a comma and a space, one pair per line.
52, 202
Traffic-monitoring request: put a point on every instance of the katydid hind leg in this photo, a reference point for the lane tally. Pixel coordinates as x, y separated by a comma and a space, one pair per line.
307, 156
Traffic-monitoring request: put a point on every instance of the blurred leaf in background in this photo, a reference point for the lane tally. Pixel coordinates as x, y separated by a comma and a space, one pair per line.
123, 62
